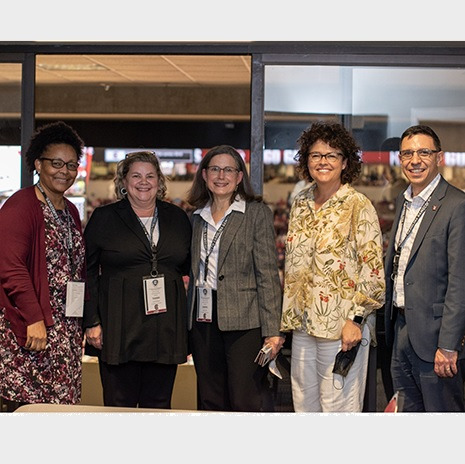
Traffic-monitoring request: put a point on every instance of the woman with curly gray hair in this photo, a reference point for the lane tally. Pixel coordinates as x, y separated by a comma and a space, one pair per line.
138, 250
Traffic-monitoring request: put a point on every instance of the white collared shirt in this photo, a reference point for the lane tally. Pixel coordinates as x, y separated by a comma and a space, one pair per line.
413, 206
212, 227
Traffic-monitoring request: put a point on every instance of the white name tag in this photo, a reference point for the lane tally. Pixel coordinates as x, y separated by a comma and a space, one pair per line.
154, 295
74, 299
204, 304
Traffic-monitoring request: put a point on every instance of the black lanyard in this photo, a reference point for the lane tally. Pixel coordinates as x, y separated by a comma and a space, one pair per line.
215, 239
153, 245
67, 226
401, 243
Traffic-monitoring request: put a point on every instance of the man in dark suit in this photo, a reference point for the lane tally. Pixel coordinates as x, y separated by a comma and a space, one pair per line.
425, 281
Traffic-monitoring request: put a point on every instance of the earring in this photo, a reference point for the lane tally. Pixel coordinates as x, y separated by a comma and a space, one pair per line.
123, 191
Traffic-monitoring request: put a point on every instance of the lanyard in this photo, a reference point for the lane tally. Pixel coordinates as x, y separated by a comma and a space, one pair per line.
67, 225
215, 239
401, 243
412, 225
153, 245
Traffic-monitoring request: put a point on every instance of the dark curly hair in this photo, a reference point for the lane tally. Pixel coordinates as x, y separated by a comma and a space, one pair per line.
199, 195
52, 134
338, 137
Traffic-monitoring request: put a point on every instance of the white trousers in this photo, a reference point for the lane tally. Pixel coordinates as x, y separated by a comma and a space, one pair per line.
314, 386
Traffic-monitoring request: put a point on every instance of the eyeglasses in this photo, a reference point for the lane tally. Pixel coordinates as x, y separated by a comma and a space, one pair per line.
58, 163
330, 157
423, 153
228, 170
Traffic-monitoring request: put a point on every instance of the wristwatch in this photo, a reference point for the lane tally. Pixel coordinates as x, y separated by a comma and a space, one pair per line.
358, 319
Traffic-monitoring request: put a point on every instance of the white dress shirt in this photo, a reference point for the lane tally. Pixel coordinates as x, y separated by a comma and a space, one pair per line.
212, 228
412, 206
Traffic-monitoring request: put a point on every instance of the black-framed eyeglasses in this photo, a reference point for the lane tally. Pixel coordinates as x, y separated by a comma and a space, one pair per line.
423, 153
228, 170
330, 157
58, 163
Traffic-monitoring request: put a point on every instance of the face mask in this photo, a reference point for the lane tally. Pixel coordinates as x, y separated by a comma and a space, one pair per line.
344, 360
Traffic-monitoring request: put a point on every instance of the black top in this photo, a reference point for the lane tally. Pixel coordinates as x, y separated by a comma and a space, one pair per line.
118, 257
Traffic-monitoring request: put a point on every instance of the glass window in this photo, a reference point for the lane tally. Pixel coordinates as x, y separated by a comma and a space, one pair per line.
10, 132
377, 104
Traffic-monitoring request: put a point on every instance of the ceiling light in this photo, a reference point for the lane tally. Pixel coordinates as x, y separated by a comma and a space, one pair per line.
71, 67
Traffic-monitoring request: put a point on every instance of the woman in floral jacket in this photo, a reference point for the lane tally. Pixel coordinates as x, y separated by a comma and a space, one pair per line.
334, 277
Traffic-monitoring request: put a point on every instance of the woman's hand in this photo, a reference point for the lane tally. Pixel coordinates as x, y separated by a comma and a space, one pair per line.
276, 344
351, 335
94, 336
36, 336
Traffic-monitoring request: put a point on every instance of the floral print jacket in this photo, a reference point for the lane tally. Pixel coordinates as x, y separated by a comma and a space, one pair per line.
334, 263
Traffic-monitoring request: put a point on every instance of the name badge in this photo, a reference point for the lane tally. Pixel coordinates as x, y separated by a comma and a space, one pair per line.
74, 299
204, 304
154, 295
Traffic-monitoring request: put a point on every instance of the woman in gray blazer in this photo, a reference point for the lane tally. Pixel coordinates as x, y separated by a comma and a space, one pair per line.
234, 293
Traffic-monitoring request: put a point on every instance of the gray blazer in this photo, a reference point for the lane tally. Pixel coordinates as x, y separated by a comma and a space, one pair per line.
249, 292
434, 280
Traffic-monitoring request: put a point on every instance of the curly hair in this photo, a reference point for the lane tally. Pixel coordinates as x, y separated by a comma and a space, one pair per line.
122, 169
338, 137
199, 195
52, 134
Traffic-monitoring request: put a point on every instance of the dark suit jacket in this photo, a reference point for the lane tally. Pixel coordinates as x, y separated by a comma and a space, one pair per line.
434, 281
118, 256
248, 289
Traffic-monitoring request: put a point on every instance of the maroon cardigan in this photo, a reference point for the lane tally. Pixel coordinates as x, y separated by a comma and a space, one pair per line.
24, 290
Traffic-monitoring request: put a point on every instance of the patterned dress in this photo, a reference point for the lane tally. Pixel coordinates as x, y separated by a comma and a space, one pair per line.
54, 374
